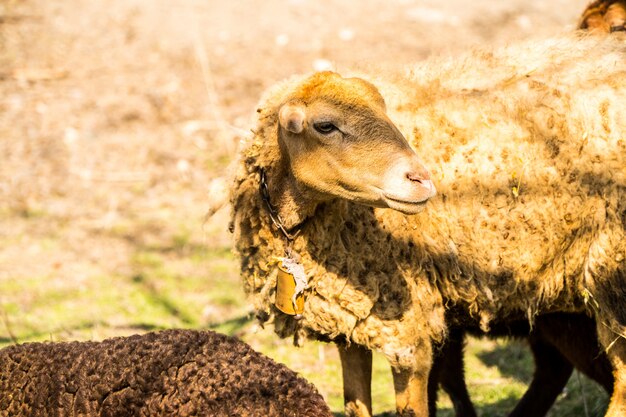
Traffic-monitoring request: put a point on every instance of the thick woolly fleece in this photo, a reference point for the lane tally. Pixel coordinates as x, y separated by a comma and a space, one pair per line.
169, 373
527, 149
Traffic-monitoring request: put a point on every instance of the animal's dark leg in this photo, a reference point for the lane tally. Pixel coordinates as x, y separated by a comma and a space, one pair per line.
433, 381
450, 370
552, 371
575, 337
356, 365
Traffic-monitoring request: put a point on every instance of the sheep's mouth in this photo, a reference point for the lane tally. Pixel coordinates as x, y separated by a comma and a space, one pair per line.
403, 205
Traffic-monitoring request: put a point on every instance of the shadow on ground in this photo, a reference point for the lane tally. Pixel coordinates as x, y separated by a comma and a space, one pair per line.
513, 360
497, 409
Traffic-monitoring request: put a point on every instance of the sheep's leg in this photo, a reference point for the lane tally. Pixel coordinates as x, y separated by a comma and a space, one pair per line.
552, 371
614, 343
610, 296
433, 383
411, 388
576, 339
356, 366
449, 370
616, 351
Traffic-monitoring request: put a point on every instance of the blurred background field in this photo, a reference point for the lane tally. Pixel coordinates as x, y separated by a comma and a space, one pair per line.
118, 122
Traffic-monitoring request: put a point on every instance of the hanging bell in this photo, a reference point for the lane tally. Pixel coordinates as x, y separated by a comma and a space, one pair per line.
285, 291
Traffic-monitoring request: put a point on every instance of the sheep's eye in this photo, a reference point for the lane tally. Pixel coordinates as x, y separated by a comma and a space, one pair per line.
325, 127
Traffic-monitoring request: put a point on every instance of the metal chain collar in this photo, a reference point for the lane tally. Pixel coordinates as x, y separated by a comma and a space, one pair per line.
276, 219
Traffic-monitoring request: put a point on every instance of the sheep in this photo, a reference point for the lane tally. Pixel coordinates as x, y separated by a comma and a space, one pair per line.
604, 16
558, 342
552, 341
527, 151
173, 372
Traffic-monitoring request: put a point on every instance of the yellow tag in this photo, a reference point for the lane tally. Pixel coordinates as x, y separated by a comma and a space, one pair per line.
285, 289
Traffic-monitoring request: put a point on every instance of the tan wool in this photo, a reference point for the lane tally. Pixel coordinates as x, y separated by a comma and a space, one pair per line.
526, 146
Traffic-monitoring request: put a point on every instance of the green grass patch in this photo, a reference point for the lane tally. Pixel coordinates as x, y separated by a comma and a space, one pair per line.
177, 282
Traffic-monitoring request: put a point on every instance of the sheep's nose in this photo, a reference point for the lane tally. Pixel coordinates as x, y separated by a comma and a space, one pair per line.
420, 175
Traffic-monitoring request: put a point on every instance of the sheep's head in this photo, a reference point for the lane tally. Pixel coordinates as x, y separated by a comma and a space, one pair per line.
338, 141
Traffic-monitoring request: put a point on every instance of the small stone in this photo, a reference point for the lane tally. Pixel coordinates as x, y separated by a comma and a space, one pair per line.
524, 22
282, 39
346, 34
322, 65
182, 165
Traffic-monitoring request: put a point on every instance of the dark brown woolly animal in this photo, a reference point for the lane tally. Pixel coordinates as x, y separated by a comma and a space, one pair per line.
559, 342
169, 373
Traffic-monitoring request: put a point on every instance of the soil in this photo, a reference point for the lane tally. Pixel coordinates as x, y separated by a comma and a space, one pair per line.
119, 114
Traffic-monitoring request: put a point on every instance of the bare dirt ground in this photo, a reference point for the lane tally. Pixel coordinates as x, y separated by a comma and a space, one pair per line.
118, 118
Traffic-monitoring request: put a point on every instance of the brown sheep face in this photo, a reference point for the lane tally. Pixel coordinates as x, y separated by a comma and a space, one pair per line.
339, 141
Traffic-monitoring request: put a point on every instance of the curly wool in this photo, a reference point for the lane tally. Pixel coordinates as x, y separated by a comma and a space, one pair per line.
174, 372
527, 148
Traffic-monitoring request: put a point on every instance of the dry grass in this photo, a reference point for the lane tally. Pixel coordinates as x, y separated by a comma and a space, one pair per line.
118, 120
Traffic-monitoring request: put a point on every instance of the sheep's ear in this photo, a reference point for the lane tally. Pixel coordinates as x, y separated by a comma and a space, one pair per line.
291, 117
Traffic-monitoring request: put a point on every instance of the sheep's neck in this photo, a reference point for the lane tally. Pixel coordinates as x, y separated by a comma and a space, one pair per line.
293, 203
